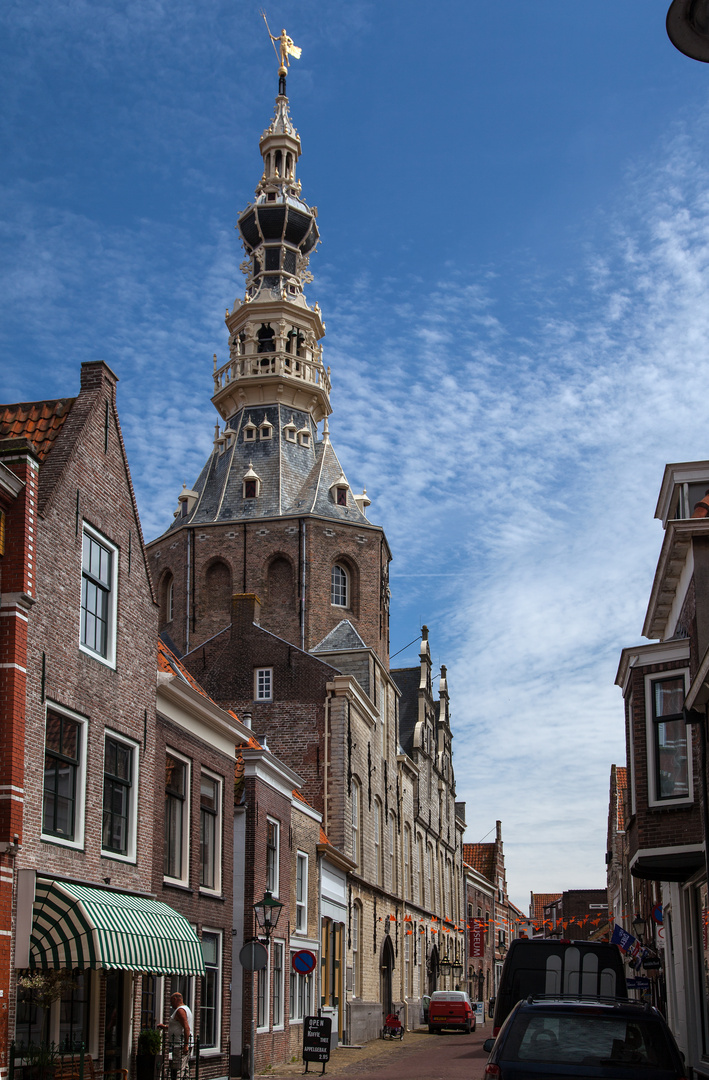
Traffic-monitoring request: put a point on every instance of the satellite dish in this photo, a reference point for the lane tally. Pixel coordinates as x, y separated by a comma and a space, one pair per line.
688, 28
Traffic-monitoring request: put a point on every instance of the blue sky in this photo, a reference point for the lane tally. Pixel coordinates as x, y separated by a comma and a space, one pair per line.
514, 205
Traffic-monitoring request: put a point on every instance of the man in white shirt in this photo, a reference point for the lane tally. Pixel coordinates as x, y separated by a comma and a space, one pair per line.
179, 1032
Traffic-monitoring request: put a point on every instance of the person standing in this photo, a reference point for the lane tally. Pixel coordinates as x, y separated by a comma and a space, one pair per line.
179, 1035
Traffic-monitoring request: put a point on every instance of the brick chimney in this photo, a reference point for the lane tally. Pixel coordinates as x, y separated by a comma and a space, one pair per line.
245, 611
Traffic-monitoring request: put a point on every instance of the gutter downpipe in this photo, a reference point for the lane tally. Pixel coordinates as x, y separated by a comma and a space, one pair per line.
187, 594
302, 585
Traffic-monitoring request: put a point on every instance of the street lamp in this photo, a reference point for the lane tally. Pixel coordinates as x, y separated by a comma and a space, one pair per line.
688, 28
267, 912
639, 927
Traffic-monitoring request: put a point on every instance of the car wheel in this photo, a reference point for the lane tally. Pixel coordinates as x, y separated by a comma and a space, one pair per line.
431, 1029
468, 1029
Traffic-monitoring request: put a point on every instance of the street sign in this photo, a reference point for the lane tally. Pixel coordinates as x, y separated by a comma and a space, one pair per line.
253, 956
652, 963
640, 983
316, 1040
303, 962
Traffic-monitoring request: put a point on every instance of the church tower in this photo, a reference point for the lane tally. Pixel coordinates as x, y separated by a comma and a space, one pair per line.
272, 512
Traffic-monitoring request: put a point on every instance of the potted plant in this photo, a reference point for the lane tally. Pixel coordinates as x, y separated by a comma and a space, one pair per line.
149, 1047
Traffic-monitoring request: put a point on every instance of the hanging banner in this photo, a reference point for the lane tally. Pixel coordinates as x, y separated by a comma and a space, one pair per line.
477, 938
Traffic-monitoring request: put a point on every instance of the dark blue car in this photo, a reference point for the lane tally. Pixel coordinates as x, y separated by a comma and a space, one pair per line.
599, 1039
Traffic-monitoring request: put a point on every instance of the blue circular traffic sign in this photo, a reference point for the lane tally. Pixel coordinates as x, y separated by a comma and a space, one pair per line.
304, 962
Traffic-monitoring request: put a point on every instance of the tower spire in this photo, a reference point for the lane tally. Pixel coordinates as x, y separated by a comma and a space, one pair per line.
273, 332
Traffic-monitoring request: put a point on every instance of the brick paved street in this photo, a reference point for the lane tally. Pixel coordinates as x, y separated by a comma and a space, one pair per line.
419, 1057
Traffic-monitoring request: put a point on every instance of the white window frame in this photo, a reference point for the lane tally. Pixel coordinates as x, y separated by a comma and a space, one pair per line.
219, 780
264, 674
184, 878
264, 973
346, 576
211, 1051
356, 808
356, 955
275, 889
80, 800
378, 854
112, 615
280, 943
391, 840
301, 860
650, 724
131, 852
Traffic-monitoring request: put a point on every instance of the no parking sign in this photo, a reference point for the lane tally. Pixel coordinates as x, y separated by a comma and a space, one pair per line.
303, 962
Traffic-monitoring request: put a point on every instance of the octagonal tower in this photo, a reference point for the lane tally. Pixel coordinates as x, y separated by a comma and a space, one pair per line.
272, 512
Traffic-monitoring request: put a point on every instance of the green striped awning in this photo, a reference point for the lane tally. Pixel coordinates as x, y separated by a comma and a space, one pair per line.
75, 926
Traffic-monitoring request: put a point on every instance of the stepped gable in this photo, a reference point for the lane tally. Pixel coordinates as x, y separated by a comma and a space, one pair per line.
343, 637
408, 680
37, 422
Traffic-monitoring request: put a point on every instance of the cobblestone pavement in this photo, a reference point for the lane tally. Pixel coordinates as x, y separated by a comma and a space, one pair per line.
419, 1056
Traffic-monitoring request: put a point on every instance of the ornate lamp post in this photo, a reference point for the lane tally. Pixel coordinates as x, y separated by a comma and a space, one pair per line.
267, 911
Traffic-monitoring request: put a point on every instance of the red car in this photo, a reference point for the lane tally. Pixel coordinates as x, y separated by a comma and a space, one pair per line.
450, 1009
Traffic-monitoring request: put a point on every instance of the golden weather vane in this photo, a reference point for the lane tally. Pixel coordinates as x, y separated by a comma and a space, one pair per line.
286, 47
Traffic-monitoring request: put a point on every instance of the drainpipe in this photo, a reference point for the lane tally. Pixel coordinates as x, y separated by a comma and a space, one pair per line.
326, 761
187, 595
302, 584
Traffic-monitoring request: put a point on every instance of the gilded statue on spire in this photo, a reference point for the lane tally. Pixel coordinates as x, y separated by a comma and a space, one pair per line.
286, 47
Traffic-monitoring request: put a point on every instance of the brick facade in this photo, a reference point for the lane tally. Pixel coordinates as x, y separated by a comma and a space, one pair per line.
83, 481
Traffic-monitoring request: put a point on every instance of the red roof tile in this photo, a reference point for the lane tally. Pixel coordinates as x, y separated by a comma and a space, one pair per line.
539, 902
481, 857
39, 422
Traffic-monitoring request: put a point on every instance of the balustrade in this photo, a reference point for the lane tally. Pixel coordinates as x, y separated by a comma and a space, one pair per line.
280, 363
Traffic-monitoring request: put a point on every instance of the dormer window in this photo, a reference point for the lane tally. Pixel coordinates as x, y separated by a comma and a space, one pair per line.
304, 436
290, 431
250, 431
271, 197
266, 430
251, 483
338, 490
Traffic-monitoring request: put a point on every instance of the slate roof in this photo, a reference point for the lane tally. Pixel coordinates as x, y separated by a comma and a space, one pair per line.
407, 679
342, 638
482, 858
538, 902
295, 480
39, 422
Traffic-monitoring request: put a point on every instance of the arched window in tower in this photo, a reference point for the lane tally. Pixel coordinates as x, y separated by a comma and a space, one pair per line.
280, 593
279, 162
267, 162
266, 339
168, 598
338, 587
289, 166
295, 342
217, 592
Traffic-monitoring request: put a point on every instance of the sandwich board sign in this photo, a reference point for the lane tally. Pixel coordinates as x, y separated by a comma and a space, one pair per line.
316, 1040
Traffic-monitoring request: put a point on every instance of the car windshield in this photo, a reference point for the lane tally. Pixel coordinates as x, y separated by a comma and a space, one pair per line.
588, 1039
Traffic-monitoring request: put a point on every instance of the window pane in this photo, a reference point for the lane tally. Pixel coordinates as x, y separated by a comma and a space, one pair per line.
669, 697
672, 761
